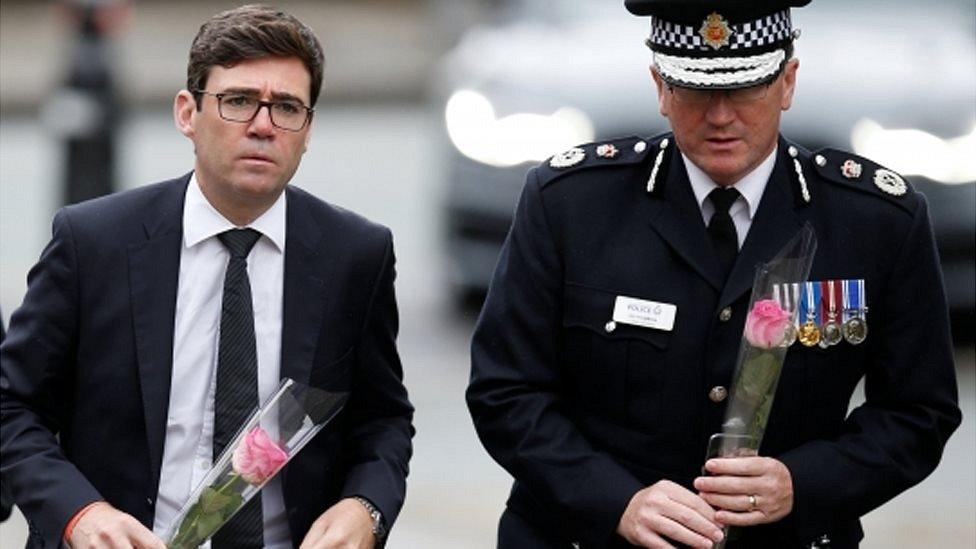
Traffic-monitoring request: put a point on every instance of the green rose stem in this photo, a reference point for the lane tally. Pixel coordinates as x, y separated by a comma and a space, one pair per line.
754, 392
213, 508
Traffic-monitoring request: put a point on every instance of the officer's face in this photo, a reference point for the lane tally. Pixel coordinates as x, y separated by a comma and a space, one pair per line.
726, 139
243, 167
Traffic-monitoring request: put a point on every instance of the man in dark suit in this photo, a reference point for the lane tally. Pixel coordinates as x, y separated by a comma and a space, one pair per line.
604, 418
6, 500
115, 378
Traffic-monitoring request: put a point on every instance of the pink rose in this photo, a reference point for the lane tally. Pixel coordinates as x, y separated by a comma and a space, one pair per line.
258, 457
766, 324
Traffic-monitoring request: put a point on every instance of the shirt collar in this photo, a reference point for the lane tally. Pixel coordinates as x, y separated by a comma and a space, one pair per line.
202, 221
751, 186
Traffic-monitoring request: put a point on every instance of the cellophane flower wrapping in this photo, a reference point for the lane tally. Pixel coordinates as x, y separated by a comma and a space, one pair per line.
274, 434
769, 331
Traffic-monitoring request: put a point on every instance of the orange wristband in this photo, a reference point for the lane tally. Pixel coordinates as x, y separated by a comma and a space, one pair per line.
70, 528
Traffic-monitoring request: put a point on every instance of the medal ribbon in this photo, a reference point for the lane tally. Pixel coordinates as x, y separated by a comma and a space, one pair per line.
836, 297
862, 308
825, 296
808, 305
855, 287
784, 296
846, 285
797, 299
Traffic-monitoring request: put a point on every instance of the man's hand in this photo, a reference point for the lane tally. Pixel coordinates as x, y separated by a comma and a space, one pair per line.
766, 480
105, 527
668, 509
346, 524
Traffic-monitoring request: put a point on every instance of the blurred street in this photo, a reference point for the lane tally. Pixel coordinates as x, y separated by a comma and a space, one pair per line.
382, 161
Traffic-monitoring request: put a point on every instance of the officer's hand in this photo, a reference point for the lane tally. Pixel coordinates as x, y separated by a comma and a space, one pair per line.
767, 480
666, 509
105, 527
346, 524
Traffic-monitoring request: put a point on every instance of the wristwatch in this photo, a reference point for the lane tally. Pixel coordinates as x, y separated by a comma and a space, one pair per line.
379, 529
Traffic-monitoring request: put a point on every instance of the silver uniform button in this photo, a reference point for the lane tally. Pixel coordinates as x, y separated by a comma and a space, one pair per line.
610, 326
640, 147
725, 315
718, 394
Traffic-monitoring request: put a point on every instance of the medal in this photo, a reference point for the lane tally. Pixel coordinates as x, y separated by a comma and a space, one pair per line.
855, 308
831, 328
809, 332
855, 330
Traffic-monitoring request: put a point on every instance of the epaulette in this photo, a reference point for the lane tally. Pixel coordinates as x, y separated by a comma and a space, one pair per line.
603, 154
861, 174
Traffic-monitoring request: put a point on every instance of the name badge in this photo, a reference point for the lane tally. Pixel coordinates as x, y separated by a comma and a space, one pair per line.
649, 314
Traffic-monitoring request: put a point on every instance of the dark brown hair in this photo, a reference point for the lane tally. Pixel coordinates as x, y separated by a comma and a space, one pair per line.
252, 32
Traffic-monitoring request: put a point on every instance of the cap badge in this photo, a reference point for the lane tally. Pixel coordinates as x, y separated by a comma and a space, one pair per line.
568, 158
607, 150
850, 169
715, 31
890, 182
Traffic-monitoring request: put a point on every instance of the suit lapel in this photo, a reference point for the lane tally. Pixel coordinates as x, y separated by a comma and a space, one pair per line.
154, 276
309, 269
676, 216
776, 222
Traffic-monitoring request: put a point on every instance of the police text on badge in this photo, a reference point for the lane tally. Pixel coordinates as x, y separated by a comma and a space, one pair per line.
649, 314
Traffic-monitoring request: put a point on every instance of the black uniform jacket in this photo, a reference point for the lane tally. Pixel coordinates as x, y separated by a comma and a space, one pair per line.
87, 363
583, 416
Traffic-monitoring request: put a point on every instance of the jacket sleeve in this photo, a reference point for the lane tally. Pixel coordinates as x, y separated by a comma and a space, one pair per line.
895, 438
380, 414
36, 368
515, 394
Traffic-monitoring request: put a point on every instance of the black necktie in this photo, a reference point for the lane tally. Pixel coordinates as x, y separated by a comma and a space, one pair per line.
721, 228
236, 394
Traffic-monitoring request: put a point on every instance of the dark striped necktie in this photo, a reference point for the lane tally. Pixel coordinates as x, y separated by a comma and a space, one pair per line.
236, 394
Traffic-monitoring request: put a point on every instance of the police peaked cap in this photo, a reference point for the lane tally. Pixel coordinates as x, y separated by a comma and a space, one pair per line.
718, 44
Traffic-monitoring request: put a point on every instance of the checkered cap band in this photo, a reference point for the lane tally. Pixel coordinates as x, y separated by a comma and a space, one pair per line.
757, 33
719, 72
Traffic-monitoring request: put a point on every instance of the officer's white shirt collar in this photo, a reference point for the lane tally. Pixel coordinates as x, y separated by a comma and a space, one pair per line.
751, 186
202, 221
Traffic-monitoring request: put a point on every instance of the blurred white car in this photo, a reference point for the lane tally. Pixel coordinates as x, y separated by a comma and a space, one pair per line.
892, 80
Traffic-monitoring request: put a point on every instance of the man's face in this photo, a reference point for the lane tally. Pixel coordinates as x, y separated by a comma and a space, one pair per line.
727, 140
244, 166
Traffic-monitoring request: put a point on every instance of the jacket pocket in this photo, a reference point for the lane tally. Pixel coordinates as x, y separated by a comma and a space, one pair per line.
605, 358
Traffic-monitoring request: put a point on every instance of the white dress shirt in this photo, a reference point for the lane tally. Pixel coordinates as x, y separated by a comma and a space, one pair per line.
750, 189
188, 446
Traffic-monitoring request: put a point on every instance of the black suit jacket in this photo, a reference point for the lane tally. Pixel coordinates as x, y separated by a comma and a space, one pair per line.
86, 367
584, 416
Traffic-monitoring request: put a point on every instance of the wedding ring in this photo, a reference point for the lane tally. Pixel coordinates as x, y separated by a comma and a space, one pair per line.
753, 502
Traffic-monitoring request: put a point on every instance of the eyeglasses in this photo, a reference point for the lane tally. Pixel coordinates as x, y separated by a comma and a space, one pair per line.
286, 114
700, 96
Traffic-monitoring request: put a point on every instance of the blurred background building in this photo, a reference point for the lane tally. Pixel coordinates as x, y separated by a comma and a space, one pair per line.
431, 113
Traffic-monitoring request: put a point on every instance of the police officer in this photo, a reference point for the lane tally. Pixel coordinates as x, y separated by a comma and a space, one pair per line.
603, 419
